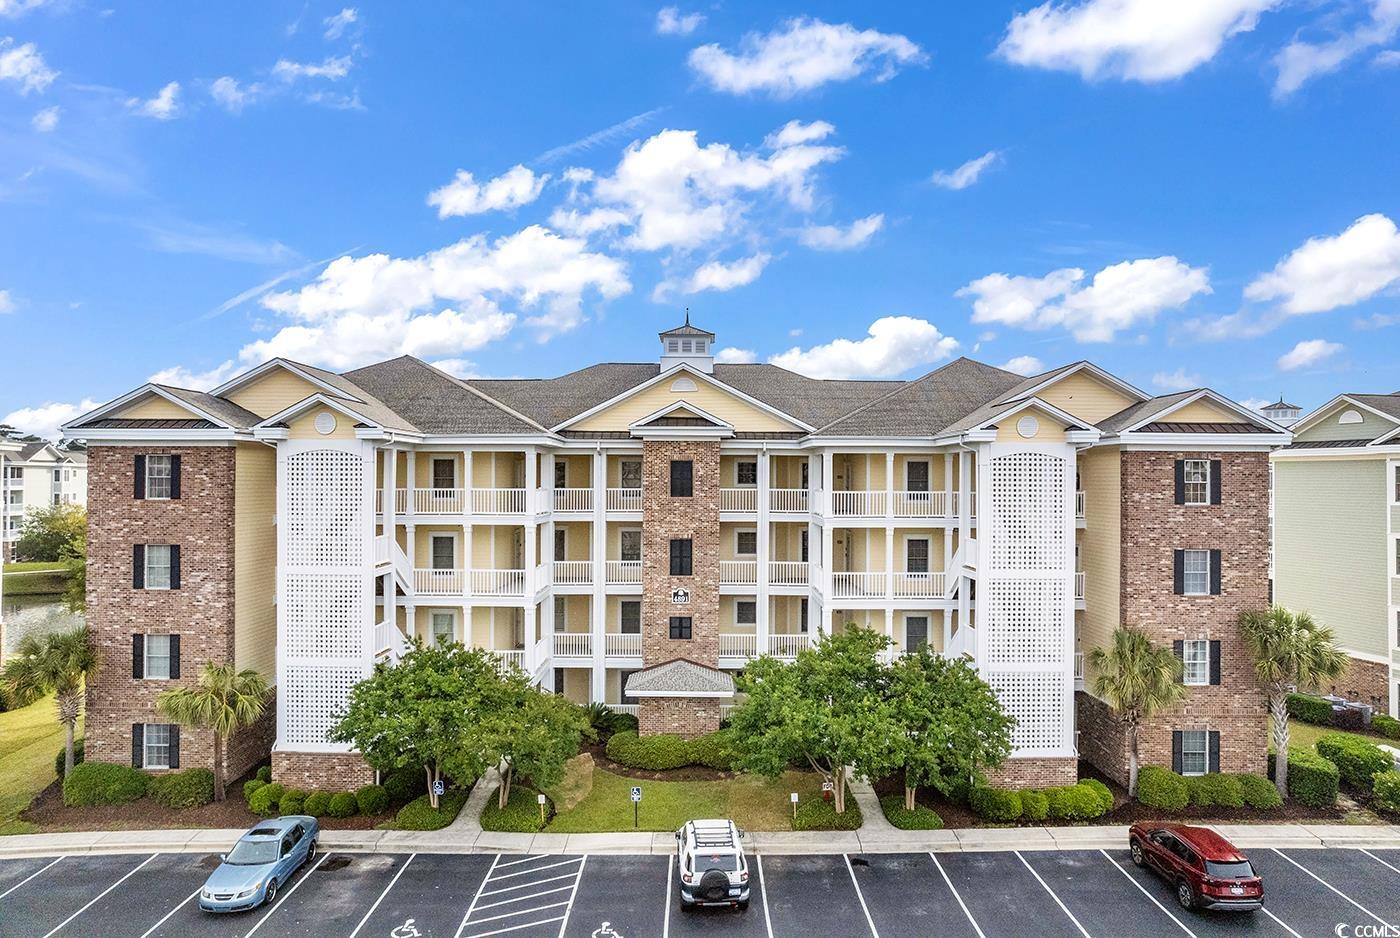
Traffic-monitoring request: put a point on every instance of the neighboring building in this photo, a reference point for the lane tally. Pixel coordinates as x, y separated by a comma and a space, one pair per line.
635, 533
37, 475
8, 450
1336, 541
1282, 413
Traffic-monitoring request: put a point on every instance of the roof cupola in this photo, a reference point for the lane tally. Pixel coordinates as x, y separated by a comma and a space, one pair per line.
689, 345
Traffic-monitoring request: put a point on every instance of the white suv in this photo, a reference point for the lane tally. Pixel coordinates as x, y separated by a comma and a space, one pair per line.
711, 864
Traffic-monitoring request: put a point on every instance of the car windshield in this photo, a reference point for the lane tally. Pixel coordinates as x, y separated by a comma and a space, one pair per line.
252, 852
717, 861
1239, 869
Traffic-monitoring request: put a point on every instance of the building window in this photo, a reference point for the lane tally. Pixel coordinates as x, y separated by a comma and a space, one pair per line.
631, 617
443, 625
1197, 481
916, 476
157, 657
746, 612
916, 555
682, 478
561, 474
1195, 662
444, 473
157, 573
156, 746
673, 345
630, 542
622, 684
561, 614
746, 543
444, 551
681, 557
631, 470
802, 615
561, 544
746, 472
1195, 579
157, 476
680, 627
1195, 756
1397, 482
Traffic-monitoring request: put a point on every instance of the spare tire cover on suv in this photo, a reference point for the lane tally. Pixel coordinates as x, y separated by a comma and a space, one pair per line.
714, 885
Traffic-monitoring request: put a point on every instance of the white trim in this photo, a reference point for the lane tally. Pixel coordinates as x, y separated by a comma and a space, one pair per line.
457, 629
1204, 393
745, 530
1309, 419
130, 396
1072, 423
708, 695
1185, 644
909, 539
248, 377
641, 424
1093, 369
305, 404
456, 550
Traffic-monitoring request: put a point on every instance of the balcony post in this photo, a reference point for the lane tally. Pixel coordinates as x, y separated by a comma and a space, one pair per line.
467, 505
532, 529
598, 541
828, 483
410, 483
949, 499
410, 616
547, 484
763, 550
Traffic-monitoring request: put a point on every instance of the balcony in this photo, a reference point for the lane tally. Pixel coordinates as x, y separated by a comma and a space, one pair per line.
629, 709
901, 504
622, 644
847, 585
499, 501
785, 645
628, 499
917, 585
509, 658
740, 500
498, 582
1079, 506
437, 501
780, 500
738, 645
484, 501
787, 572
745, 646
573, 500
1079, 585
857, 504
738, 573
573, 573
622, 573
439, 582
573, 644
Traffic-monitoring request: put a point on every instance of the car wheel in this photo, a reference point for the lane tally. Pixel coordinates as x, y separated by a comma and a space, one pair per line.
743, 906
270, 893
311, 852
1136, 849
1185, 895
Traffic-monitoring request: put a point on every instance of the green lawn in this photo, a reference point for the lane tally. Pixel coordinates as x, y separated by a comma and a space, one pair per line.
30, 566
602, 802
1306, 735
29, 739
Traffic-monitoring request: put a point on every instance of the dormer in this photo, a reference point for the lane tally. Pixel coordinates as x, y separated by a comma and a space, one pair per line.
688, 345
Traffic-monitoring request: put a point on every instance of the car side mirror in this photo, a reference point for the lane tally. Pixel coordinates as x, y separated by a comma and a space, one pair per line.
678, 836
223, 857
743, 834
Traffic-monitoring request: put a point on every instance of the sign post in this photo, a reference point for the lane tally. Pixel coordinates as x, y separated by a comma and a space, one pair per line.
793, 797
636, 805
541, 800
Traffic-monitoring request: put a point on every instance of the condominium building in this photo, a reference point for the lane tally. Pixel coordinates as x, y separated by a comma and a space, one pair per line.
1336, 536
37, 474
636, 533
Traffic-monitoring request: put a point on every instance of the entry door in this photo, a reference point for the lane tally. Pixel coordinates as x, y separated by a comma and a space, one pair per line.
804, 545
631, 544
560, 544
915, 633
631, 470
444, 473
916, 555
631, 617
444, 552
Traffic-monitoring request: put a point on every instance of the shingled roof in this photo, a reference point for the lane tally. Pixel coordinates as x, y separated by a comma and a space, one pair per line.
432, 401
940, 400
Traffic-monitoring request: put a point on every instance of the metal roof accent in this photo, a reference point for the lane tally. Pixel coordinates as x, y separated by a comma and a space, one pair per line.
1169, 427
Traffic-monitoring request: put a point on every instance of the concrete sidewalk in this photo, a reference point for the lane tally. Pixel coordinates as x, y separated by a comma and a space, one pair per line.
1256, 836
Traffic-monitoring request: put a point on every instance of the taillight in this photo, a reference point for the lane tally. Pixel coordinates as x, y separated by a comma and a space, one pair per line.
744, 876
685, 878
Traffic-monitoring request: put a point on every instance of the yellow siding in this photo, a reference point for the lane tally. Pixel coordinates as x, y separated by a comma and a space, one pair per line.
1051, 430
745, 417
255, 559
1085, 396
1100, 554
154, 407
304, 426
273, 393
1202, 411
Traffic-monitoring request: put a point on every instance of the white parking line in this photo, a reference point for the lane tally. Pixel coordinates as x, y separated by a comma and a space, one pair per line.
551, 879
975, 926
476, 897
101, 894
1281, 922
538, 908
535, 869
529, 859
763, 890
1063, 908
1363, 850
25, 880
502, 931
1330, 886
666, 916
861, 896
515, 899
563, 924
286, 895
151, 931
381, 895
1149, 895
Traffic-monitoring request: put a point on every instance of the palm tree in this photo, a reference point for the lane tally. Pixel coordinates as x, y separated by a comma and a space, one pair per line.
60, 664
1290, 650
224, 701
1138, 680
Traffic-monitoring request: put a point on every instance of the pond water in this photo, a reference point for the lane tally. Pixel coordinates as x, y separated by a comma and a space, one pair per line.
36, 615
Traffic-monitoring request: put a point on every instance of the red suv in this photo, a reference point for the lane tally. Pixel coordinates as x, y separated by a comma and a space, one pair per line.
1206, 869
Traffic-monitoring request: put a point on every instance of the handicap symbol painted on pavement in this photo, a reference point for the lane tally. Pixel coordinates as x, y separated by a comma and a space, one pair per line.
606, 931
406, 930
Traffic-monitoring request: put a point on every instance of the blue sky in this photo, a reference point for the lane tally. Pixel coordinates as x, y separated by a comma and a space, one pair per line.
1185, 193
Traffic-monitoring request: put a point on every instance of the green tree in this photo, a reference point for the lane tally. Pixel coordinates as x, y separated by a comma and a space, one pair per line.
828, 708
1137, 680
60, 664
533, 733
1289, 650
224, 700
74, 559
954, 727
46, 532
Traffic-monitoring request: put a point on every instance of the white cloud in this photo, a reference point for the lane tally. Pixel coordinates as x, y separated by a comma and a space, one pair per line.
231, 95
25, 66
1255, 403
1142, 40
182, 377
163, 107
1387, 59
1377, 321
515, 187
1179, 380
670, 21
1299, 61
1306, 353
836, 238
794, 132
333, 69
894, 345
1329, 272
1120, 296
966, 174
1024, 365
46, 120
179, 237
735, 356
7, 303
802, 55
718, 276
337, 24
14, 8
457, 367
45, 419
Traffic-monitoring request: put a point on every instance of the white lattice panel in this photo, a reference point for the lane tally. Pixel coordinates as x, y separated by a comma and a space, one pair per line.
311, 698
1037, 701
323, 616
1028, 508
324, 509
1026, 622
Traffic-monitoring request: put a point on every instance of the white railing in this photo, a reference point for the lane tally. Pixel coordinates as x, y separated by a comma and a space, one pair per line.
1079, 505
542, 652
738, 645
573, 499
629, 709
438, 582
544, 575
857, 504
573, 644
573, 572
726, 710
1079, 665
846, 585
738, 572
510, 658
381, 549
383, 641
622, 644
624, 500
787, 572
498, 501
439, 501
498, 582
738, 499
787, 646
1079, 585
400, 501
623, 571
922, 505
787, 500
918, 585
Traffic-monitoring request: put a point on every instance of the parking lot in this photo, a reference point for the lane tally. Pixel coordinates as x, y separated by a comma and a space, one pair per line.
958, 895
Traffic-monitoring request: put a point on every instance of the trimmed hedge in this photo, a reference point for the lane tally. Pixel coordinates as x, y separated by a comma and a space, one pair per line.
342, 804
1100, 789
521, 815
996, 804
420, 815
265, 800
60, 759
1312, 779
1357, 761
656, 753
317, 803
1387, 726
1386, 791
1310, 709
1162, 788
265, 774
97, 783
1215, 789
818, 814
714, 750
920, 819
293, 801
403, 785
250, 787
1258, 791
372, 799
186, 789
1076, 802
1035, 805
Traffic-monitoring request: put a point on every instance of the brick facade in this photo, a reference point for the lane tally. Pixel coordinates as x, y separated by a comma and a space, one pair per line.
1103, 740
683, 716
1366, 681
328, 771
1035, 773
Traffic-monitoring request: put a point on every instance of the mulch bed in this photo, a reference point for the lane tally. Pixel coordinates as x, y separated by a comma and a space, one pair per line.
690, 773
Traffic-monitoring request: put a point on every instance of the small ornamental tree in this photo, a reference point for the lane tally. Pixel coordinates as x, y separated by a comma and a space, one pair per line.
1137, 680
953, 725
47, 532
74, 559
828, 708
60, 664
533, 734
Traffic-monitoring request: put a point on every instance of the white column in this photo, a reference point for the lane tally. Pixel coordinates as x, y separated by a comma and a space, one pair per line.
412, 481
411, 544
889, 627
467, 481
391, 466
532, 531
410, 617
548, 485
599, 540
827, 554
764, 551
947, 481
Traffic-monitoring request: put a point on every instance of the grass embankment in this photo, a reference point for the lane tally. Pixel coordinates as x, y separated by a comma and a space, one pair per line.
29, 739
35, 578
1306, 735
35, 566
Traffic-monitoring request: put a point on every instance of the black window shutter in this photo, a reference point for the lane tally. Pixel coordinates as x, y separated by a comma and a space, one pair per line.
1215, 482
1178, 572
1176, 751
139, 484
1215, 661
1214, 764
1181, 481
1179, 649
138, 745
1215, 573
174, 476
138, 656
174, 656
174, 746
174, 566
138, 566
